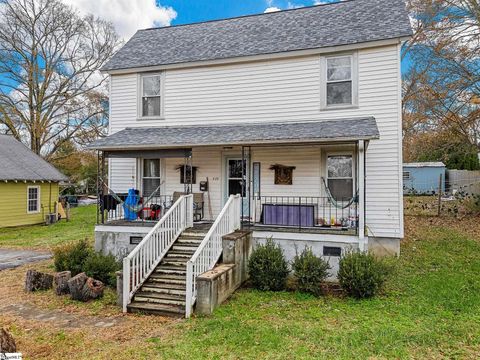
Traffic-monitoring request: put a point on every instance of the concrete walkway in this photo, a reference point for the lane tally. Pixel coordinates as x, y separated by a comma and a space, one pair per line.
59, 318
12, 258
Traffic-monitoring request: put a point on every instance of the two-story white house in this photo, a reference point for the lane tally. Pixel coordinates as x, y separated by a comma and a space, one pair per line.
298, 111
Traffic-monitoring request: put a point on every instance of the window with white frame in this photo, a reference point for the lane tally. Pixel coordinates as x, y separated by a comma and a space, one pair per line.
151, 176
151, 95
339, 81
33, 199
340, 176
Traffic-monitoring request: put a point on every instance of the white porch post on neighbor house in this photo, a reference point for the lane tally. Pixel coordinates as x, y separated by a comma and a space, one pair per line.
362, 240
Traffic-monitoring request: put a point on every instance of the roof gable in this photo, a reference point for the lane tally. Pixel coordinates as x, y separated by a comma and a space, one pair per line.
343, 23
20, 163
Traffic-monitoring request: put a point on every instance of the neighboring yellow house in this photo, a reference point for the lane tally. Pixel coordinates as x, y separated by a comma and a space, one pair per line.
28, 185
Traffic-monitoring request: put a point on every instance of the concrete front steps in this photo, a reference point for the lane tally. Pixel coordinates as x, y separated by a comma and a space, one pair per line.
163, 293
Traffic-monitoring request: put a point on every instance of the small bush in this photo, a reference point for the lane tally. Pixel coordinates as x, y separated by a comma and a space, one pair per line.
102, 267
72, 257
361, 274
309, 272
80, 257
267, 267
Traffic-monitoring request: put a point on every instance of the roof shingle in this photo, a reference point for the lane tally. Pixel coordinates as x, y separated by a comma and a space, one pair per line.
343, 23
17, 162
246, 134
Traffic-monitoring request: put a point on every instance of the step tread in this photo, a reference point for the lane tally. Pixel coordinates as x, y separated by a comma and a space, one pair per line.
168, 276
140, 305
154, 285
175, 297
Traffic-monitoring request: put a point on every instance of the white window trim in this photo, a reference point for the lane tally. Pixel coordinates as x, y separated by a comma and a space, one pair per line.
323, 82
342, 153
140, 96
38, 199
140, 186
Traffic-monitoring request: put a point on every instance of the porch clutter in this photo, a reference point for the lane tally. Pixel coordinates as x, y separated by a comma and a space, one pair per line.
35, 280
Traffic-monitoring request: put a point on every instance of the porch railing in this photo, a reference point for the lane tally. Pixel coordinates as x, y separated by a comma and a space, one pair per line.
152, 209
210, 248
143, 260
304, 212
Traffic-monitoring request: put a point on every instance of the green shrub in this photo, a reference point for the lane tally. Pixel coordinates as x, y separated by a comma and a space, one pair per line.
72, 256
309, 271
267, 267
80, 257
102, 267
361, 274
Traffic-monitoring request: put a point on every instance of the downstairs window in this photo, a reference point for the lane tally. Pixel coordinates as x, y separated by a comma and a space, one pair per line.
340, 176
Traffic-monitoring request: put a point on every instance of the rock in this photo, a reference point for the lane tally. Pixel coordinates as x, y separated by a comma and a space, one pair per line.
7, 343
75, 286
60, 282
35, 280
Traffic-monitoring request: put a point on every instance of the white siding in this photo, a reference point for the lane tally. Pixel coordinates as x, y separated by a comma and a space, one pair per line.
286, 90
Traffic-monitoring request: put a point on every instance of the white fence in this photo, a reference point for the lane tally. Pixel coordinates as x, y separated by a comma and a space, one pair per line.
466, 181
143, 260
210, 249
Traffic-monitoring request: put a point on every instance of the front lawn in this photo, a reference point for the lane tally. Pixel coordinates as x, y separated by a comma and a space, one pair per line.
430, 310
80, 226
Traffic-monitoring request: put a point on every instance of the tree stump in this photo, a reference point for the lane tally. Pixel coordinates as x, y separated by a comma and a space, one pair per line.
92, 289
7, 343
35, 280
85, 288
60, 282
75, 286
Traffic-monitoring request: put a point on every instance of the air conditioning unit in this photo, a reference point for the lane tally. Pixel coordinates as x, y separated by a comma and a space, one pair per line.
50, 219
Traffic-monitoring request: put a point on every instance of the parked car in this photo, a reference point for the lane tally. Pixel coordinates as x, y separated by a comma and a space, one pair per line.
70, 199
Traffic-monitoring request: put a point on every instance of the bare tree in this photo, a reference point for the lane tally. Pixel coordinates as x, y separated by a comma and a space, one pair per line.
50, 88
442, 87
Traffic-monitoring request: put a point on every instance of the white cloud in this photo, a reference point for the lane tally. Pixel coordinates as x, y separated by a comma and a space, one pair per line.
291, 5
127, 15
272, 9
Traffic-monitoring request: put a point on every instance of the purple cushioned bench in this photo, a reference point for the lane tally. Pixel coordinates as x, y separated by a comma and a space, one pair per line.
288, 215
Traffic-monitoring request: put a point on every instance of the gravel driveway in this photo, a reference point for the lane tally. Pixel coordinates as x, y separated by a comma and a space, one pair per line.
12, 258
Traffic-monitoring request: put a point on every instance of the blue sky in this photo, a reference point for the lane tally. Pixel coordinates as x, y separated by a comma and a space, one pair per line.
189, 11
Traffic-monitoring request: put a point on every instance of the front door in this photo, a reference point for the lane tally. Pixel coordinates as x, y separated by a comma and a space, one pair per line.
234, 181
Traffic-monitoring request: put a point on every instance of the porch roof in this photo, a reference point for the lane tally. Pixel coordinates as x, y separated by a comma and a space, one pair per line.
338, 130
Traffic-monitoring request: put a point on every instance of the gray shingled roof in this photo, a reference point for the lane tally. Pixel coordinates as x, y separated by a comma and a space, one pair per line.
343, 23
17, 162
247, 134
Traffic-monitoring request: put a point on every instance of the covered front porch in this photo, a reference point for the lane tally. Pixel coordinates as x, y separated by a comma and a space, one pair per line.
293, 180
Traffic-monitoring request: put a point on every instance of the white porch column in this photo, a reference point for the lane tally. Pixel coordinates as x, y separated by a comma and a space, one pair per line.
363, 241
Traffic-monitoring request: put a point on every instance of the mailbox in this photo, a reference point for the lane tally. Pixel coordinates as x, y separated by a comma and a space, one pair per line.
203, 185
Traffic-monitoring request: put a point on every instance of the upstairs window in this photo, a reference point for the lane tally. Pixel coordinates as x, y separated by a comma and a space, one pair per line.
151, 91
340, 176
33, 199
339, 81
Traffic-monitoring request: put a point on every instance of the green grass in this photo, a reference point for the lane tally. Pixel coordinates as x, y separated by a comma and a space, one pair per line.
430, 309
80, 226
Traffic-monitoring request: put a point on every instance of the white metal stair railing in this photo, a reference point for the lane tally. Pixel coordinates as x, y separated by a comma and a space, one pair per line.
143, 260
210, 249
